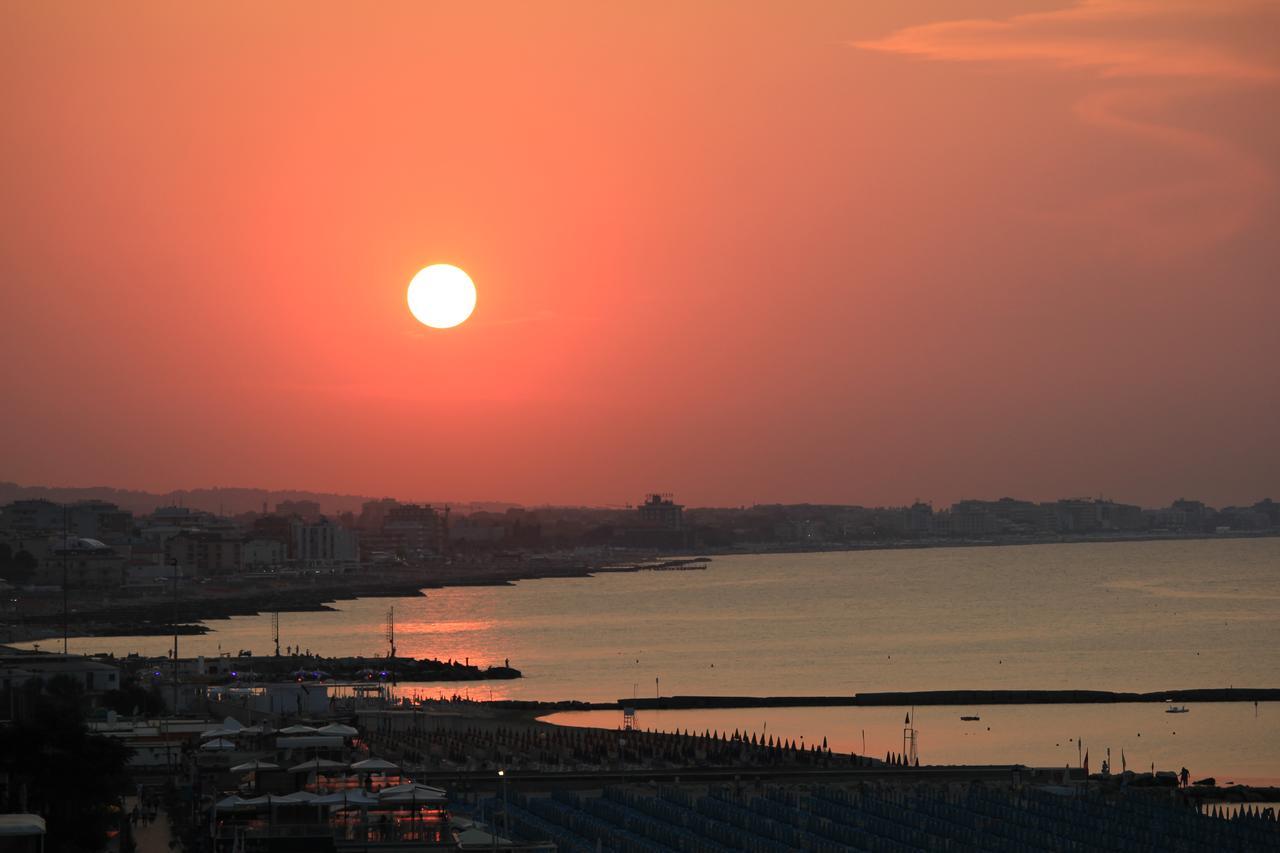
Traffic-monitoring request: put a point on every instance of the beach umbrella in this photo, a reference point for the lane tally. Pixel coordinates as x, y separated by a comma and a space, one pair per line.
411, 792
218, 743
212, 733
317, 764
256, 764
297, 730
354, 798
374, 765
338, 729
228, 803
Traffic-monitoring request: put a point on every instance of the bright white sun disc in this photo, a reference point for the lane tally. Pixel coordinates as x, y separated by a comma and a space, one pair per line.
441, 296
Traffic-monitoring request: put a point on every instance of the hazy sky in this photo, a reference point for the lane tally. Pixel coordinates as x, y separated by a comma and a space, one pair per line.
743, 252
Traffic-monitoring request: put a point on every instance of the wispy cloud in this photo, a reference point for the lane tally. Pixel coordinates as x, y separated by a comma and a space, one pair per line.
1143, 55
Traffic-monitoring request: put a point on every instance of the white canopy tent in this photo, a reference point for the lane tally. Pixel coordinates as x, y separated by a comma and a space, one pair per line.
297, 730
339, 729
374, 765
256, 764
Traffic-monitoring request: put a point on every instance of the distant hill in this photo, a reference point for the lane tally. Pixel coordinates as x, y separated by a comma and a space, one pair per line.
227, 500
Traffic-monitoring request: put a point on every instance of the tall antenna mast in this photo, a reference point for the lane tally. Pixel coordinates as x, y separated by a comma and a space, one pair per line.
66, 534
391, 630
909, 738
275, 629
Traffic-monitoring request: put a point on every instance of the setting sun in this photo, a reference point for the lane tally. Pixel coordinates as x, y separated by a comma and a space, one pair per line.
442, 296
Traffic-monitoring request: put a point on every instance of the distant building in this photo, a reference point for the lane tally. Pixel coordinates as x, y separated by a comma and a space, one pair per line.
277, 528
169, 521
85, 563
972, 518
919, 518
1194, 513
660, 511
94, 676
33, 516
100, 520
1077, 515
410, 531
324, 543
205, 553
477, 528
373, 514
260, 554
1015, 516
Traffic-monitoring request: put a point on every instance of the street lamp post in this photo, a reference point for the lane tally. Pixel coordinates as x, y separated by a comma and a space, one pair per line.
65, 535
493, 828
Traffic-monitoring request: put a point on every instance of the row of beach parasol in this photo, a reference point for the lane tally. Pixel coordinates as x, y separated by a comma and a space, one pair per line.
319, 765
409, 792
222, 738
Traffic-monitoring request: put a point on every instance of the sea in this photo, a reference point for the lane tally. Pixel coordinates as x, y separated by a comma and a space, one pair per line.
1123, 616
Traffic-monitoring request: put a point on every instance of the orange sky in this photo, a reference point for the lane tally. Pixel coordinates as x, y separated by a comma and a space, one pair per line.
844, 252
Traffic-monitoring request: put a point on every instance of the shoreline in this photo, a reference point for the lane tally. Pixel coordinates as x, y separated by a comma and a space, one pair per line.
157, 614
160, 615
903, 699
993, 542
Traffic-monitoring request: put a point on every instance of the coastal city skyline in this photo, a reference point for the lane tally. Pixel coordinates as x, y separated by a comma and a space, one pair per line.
639, 427
95, 544
240, 499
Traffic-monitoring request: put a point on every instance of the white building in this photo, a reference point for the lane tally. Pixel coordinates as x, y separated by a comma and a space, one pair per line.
264, 553
324, 544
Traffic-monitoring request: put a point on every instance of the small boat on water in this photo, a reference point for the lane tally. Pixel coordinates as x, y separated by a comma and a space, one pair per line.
1177, 709
970, 718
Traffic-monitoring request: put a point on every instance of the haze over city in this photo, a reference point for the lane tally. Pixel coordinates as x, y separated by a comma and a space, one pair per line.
864, 254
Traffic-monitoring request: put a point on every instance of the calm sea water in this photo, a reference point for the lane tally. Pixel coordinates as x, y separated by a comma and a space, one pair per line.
1232, 742
1140, 616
